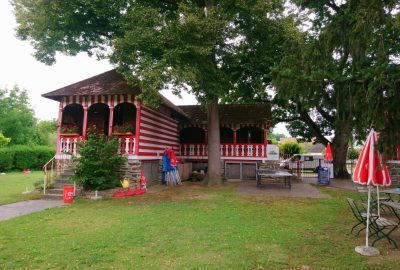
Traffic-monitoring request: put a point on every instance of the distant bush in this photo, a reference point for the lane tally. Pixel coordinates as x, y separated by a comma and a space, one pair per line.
290, 148
353, 153
19, 157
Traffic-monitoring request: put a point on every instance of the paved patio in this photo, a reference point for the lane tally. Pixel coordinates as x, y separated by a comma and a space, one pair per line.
9, 211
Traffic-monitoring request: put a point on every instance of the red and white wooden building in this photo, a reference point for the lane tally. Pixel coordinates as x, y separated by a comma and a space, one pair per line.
106, 104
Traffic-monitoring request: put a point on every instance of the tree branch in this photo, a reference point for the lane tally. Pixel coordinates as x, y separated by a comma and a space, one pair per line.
317, 132
324, 114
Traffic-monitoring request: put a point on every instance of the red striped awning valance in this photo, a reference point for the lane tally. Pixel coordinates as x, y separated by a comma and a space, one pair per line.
87, 101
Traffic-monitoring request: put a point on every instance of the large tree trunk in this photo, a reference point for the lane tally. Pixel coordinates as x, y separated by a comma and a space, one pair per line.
340, 145
213, 176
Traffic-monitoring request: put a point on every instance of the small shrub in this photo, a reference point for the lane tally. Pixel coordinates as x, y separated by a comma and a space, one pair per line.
353, 153
98, 163
290, 148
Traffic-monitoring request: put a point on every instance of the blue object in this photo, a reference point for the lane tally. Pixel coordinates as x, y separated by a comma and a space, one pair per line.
398, 189
323, 176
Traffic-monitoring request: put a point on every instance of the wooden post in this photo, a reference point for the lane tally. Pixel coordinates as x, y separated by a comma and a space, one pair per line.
110, 121
137, 129
234, 141
266, 126
59, 123
85, 118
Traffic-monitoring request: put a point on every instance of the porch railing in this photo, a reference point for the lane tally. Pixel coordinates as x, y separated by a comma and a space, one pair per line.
126, 144
69, 144
226, 150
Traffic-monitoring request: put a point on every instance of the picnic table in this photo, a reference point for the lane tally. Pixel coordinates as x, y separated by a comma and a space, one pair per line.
275, 175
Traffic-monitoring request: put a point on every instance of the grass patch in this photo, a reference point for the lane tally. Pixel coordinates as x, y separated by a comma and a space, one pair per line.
13, 184
190, 227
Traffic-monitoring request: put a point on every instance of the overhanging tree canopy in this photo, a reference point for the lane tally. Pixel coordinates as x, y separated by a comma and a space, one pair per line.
200, 46
343, 74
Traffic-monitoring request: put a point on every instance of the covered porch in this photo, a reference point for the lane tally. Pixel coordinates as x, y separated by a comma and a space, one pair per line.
114, 116
243, 132
236, 142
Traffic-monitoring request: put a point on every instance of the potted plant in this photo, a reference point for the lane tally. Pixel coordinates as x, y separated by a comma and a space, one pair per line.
70, 130
128, 129
117, 130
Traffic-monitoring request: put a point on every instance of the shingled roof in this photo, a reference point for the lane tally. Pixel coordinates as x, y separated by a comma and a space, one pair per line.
258, 113
107, 83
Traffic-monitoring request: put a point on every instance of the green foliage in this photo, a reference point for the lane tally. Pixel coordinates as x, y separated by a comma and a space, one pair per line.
19, 157
342, 74
128, 128
98, 163
272, 138
47, 132
208, 48
275, 137
17, 119
4, 140
353, 153
289, 148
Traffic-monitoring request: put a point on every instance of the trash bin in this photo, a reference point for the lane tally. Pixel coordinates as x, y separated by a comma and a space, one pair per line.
68, 194
323, 176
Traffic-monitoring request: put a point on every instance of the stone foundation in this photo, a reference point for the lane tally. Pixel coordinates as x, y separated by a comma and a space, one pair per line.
394, 171
131, 170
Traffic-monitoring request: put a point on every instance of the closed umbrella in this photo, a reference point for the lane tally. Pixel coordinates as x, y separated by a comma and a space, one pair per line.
328, 153
370, 171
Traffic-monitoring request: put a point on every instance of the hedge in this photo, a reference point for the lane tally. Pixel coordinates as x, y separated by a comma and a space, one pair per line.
19, 157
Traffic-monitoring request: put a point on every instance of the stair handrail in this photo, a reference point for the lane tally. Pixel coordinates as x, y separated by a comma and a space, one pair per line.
48, 176
54, 167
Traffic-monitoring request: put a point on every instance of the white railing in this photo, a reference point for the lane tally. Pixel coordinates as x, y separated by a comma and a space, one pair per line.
226, 150
126, 145
53, 168
69, 144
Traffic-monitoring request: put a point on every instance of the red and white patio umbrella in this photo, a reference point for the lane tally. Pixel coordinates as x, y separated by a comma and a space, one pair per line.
328, 153
370, 171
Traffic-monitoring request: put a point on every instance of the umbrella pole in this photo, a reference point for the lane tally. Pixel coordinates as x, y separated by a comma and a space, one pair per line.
377, 197
368, 213
367, 250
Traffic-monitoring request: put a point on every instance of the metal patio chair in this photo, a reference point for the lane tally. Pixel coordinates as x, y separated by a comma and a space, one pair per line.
380, 227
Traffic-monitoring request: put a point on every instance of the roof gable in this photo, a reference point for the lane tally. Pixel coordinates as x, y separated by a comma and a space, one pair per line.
107, 83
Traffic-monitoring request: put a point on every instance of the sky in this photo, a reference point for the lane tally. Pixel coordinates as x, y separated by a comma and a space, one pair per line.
19, 67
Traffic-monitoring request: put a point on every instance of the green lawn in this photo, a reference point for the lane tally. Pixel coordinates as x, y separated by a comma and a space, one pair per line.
190, 227
13, 184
